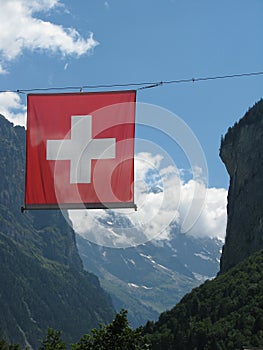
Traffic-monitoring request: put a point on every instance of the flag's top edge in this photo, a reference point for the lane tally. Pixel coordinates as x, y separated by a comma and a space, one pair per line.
82, 93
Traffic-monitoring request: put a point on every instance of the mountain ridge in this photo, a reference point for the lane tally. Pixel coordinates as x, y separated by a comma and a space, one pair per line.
151, 277
42, 280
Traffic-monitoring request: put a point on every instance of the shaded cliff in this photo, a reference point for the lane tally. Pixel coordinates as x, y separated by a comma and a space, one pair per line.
227, 312
242, 153
42, 280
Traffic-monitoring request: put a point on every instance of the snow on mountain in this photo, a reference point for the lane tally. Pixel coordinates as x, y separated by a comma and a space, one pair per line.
151, 277
142, 257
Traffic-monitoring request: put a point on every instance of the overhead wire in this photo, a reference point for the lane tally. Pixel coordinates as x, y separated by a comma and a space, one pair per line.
139, 85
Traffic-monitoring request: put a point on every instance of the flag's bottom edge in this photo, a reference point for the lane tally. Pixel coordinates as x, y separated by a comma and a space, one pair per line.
64, 206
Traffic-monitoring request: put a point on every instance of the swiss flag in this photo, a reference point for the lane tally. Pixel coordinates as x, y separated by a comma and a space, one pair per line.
80, 150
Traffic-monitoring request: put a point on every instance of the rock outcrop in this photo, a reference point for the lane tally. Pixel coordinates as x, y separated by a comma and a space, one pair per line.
242, 153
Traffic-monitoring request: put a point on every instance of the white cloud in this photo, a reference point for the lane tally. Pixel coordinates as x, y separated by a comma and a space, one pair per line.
179, 202
20, 30
2, 70
106, 4
12, 108
213, 216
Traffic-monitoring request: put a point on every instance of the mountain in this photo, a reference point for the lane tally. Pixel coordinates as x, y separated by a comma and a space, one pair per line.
227, 312
42, 280
223, 314
152, 277
242, 153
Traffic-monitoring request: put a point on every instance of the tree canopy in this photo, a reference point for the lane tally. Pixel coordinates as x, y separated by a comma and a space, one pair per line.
223, 314
114, 336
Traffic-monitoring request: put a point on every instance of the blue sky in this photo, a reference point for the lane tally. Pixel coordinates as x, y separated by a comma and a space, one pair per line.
59, 43
141, 41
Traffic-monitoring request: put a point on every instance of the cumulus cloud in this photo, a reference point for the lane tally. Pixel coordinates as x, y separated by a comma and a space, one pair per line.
20, 29
13, 108
163, 198
212, 219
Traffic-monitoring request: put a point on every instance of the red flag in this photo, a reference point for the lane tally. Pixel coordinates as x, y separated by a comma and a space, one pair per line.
80, 150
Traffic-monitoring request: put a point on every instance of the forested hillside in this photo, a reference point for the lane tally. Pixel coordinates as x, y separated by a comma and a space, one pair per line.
223, 314
42, 281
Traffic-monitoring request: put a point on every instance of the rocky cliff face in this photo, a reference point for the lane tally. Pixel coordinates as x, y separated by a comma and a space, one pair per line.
242, 153
42, 280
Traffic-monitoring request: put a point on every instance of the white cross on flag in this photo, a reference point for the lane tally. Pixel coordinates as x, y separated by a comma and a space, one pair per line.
80, 150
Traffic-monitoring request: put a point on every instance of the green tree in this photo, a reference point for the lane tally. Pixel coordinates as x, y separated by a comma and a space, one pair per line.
114, 336
5, 346
53, 341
